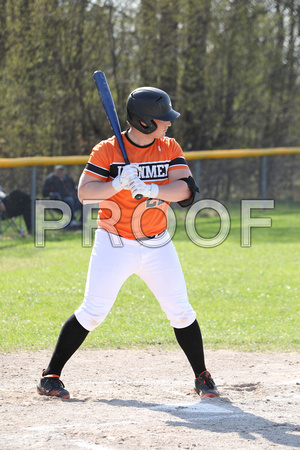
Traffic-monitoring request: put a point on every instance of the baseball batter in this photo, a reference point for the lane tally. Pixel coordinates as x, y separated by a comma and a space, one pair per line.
132, 236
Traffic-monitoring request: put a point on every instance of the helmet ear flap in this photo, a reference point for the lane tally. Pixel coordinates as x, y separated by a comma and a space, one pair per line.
154, 125
145, 126
148, 127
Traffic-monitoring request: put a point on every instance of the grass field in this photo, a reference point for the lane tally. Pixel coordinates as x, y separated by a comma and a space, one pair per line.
245, 298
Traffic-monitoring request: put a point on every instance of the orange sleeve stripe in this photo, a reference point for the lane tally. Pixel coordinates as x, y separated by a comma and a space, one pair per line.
179, 166
93, 174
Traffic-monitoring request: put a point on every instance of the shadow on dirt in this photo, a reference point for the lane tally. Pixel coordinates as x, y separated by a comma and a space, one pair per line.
220, 416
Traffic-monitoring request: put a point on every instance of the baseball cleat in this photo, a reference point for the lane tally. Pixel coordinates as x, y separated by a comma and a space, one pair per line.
205, 385
52, 386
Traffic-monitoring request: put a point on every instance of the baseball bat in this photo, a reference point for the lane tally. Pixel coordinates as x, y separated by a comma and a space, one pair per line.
111, 112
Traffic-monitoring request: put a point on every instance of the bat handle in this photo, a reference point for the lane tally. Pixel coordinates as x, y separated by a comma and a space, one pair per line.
138, 196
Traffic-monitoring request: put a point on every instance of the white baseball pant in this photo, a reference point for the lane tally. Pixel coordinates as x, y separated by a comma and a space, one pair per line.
110, 266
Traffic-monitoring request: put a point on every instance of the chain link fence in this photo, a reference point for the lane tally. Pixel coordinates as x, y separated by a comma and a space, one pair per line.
231, 180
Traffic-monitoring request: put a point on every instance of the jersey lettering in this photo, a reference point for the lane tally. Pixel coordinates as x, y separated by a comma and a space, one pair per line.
150, 171
154, 171
151, 203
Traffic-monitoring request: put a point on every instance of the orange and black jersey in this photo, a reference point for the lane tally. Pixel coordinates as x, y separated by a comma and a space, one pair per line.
121, 213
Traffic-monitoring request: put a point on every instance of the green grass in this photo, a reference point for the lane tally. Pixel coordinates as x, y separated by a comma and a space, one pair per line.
245, 298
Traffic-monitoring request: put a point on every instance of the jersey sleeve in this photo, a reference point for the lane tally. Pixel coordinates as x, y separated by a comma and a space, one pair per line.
98, 165
177, 157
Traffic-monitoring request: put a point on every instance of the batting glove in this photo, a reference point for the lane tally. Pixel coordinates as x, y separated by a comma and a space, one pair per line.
138, 187
129, 172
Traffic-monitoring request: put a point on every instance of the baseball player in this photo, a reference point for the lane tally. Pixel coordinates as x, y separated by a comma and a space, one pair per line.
132, 236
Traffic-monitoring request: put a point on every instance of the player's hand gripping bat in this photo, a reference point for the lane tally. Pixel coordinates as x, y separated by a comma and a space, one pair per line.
111, 112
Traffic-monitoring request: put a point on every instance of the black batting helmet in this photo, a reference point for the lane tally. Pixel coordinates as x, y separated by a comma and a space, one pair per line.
147, 103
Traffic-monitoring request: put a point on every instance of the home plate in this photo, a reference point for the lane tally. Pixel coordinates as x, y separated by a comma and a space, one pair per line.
201, 407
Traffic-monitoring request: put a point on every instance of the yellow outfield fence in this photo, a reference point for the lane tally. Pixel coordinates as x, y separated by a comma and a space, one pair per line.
241, 153
43, 161
192, 155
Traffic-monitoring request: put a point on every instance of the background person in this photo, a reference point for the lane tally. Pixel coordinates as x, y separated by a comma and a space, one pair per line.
60, 186
15, 204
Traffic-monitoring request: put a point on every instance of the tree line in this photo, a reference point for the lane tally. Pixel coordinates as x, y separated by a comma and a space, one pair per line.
231, 68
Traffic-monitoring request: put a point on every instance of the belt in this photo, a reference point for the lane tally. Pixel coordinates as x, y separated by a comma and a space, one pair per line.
151, 237
141, 238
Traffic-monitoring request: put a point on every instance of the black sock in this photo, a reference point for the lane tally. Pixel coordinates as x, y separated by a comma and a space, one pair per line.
190, 340
69, 340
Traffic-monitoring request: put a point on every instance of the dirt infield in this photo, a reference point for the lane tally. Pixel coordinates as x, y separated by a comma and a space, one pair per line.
144, 399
